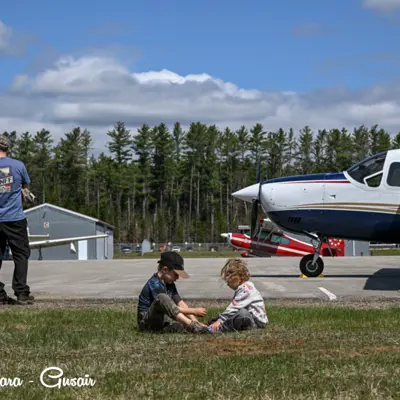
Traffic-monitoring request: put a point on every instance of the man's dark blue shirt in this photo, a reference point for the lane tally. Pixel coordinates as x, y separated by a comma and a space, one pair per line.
153, 287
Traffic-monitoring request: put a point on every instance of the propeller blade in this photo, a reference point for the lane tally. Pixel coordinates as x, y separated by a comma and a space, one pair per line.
254, 212
254, 209
258, 176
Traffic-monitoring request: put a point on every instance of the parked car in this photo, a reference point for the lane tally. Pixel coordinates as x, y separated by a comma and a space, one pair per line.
126, 250
176, 248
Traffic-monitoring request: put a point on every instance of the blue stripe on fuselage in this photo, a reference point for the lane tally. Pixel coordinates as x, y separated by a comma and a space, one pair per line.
309, 177
342, 224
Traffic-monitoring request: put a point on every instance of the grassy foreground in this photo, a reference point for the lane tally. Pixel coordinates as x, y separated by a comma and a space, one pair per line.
309, 351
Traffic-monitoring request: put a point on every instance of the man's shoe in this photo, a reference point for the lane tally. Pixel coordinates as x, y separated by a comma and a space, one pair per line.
30, 296
24, 299
7, 300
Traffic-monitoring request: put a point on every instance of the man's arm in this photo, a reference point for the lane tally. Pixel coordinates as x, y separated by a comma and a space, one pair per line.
25, 178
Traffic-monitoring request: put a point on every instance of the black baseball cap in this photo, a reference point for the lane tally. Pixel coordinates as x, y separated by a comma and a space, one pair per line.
173, 260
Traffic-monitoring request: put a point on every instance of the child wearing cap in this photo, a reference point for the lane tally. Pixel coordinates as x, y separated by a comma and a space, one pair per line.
247, 308
160, 307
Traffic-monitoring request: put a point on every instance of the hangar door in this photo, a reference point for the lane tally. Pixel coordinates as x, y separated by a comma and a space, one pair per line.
100, 245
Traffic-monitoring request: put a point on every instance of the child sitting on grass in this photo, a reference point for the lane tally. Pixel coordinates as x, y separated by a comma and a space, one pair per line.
247, 308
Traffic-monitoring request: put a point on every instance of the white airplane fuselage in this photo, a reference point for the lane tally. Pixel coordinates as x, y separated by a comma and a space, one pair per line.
362, 203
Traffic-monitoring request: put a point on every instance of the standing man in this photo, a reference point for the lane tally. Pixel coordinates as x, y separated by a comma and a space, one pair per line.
14, 179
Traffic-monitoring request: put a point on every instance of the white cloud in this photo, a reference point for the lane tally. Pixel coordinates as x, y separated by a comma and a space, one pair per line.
5, 37
94, 92
382, 5
11, 43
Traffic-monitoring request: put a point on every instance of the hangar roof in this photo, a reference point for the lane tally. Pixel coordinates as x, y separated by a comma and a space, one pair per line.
68, 212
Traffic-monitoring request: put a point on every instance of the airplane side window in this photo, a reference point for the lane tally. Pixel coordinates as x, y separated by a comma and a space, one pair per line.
275, 239
368, 167
280, 240
393, 178
374, 180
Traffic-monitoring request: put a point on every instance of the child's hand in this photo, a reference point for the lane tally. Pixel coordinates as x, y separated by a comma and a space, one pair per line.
215, 325
201, 312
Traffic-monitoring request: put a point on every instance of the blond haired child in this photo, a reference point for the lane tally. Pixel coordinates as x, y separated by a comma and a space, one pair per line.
247, 308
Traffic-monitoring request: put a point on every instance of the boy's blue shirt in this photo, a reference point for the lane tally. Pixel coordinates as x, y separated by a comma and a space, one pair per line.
13, 175
153, 287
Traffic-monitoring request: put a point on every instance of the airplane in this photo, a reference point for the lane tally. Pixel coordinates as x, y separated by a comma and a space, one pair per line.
270, 240
361, 203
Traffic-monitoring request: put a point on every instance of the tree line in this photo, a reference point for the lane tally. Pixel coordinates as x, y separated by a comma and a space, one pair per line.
175, 185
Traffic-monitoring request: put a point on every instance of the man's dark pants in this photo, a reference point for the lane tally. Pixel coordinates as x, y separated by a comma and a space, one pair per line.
15, 233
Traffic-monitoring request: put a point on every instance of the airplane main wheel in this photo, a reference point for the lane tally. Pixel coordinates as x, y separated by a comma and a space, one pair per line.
309, 269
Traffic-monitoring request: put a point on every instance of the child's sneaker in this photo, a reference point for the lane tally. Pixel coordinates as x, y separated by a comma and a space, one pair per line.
195, 327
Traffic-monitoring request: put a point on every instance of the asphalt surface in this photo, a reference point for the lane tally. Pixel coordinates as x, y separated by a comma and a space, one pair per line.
344, 278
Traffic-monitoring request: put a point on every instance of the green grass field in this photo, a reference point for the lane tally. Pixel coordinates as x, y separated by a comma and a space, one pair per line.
310, 350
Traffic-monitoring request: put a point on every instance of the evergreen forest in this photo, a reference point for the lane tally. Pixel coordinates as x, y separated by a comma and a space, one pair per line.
175, 184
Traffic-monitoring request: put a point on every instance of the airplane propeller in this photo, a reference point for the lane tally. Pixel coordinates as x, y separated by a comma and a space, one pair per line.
255, 202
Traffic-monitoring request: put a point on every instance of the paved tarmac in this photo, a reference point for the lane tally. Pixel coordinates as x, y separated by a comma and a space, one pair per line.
344, 277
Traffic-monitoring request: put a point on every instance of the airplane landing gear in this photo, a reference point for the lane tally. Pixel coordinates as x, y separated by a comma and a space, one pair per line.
312, 265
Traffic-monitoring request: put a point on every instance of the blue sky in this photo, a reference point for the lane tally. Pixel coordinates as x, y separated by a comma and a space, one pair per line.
286, 45
324, 64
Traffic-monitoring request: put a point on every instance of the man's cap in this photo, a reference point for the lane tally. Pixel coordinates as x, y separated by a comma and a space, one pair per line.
173, 260
4, 142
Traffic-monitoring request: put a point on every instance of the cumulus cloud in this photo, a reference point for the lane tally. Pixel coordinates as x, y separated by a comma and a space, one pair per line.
94, 92
382, 5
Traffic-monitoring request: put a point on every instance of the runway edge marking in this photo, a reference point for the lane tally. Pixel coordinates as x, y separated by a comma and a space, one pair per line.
331, 295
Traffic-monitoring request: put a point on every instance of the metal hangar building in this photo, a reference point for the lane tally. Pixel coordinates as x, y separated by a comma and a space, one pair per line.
59, 223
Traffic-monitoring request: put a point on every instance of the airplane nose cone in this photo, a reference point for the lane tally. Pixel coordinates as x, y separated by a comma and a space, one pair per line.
225, 235
248, 193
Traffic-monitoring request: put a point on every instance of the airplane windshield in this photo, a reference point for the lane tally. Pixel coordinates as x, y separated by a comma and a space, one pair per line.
266, 235
370, 166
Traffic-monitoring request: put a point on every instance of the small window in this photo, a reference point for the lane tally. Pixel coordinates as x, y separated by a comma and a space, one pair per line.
280, 240
393, 178
374, 180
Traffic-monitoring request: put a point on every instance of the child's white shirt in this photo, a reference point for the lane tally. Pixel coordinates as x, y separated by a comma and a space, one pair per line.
246, 296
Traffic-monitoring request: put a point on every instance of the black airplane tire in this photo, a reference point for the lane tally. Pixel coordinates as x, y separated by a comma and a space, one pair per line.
309, 270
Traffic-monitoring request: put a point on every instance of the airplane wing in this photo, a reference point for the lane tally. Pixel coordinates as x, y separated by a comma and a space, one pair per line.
38, 236
59, 242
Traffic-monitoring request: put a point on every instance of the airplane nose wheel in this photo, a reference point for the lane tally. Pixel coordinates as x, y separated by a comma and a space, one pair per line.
311, 268
312, 265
